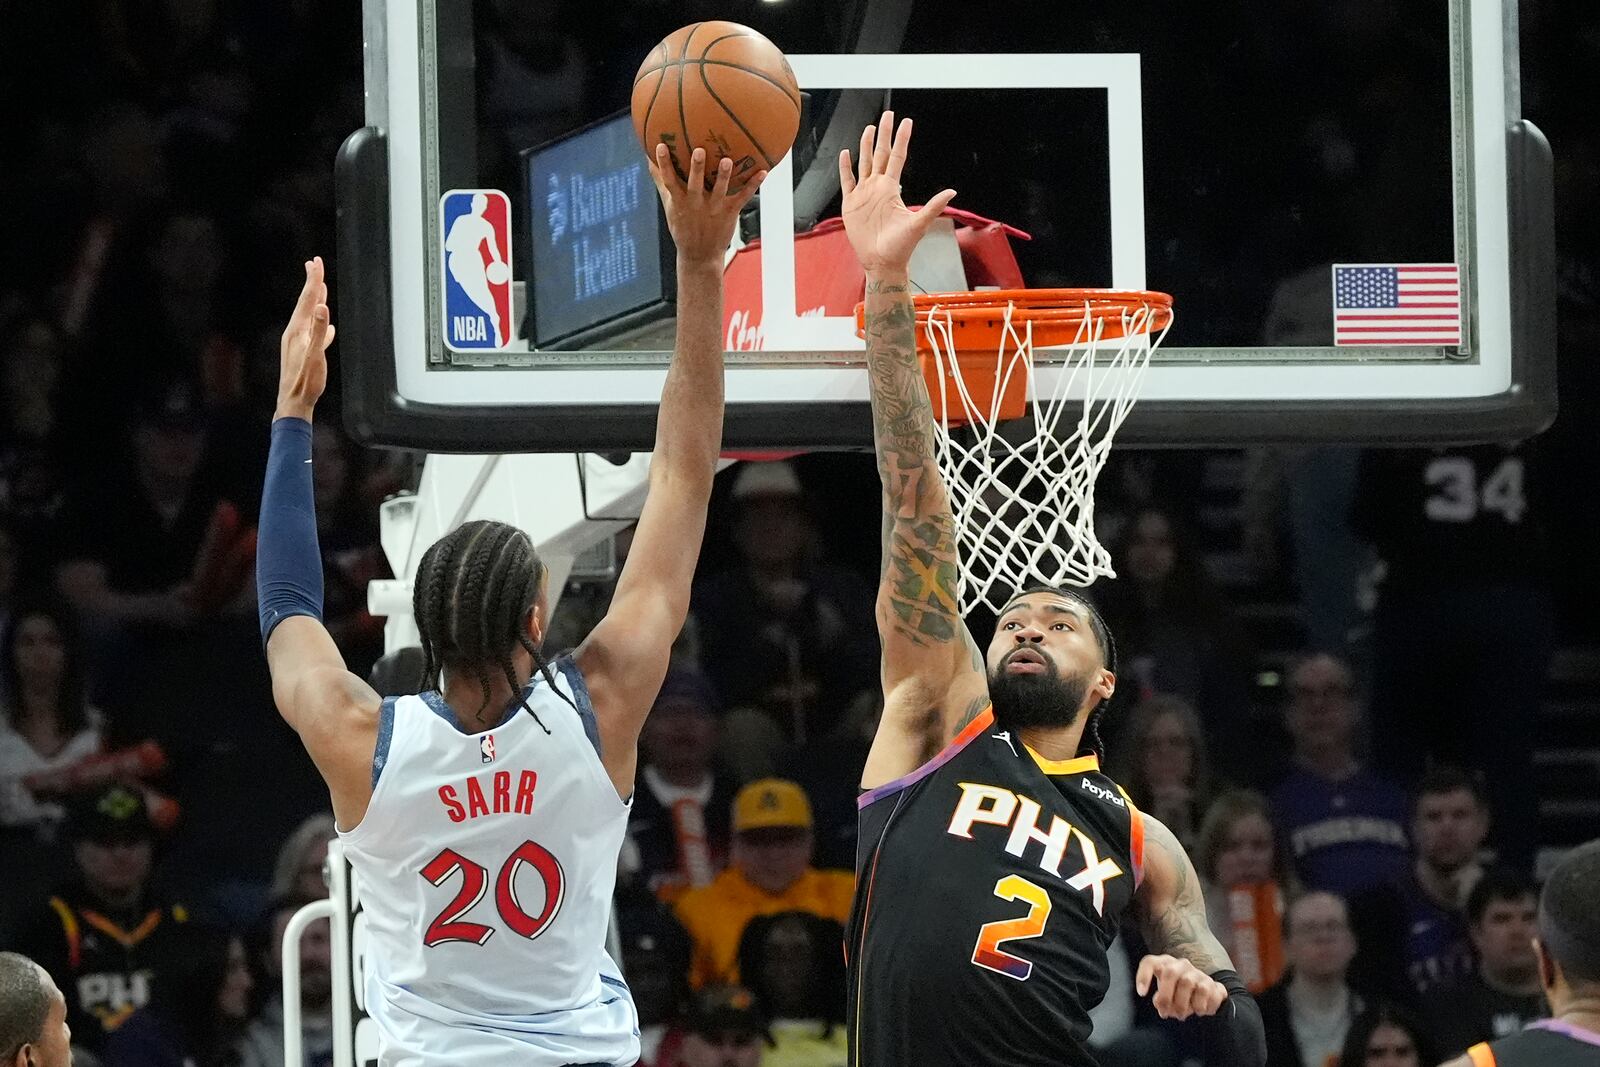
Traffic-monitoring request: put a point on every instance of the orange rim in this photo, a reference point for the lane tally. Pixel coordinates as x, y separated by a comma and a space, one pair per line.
1058, 316
977, 322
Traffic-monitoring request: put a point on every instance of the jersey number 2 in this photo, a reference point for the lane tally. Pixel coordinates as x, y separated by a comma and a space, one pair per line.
449, 925
987, 953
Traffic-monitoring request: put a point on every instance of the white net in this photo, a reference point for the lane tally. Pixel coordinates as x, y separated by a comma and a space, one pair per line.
1022, 491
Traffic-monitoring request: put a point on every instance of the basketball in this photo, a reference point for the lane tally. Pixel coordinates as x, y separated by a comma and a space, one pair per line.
722, 87
497, 273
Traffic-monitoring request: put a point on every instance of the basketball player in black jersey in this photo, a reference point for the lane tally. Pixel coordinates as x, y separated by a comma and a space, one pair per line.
1568, 947
996, 859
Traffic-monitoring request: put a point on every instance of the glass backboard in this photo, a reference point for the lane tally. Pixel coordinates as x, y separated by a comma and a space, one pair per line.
1353, 219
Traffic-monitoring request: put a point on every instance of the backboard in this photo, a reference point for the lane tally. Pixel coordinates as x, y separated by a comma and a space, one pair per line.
1353, 219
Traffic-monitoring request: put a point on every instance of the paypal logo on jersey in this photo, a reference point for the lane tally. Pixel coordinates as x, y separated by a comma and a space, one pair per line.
1102, 792
475, 274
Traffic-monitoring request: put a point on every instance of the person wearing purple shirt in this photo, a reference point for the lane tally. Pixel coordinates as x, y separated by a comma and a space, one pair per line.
1343, 826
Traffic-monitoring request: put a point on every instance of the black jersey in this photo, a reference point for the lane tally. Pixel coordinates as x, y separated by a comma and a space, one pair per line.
990, 883
1546, 1043
103, 961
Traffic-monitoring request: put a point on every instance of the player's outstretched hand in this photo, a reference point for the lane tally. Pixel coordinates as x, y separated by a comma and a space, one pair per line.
303, 352
1181, 988
701, 219
882, 230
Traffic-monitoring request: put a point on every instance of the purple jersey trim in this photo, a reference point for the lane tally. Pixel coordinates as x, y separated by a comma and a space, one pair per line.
974, 728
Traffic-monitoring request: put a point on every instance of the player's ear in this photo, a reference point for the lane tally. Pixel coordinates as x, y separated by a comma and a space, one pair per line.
1548, 972
536, 619
1106, 685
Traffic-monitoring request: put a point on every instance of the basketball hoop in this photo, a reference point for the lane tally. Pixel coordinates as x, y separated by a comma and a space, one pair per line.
1021, 488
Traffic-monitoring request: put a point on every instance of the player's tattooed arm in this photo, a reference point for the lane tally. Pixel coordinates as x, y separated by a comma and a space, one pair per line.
917, 594
932, 674
919, 578
1171, 908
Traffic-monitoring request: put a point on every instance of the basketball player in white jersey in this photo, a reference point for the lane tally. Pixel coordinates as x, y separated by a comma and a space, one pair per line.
484, 817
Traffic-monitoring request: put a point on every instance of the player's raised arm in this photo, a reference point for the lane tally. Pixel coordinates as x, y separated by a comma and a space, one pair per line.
933, 676
625, 657
1189, 973
334, 712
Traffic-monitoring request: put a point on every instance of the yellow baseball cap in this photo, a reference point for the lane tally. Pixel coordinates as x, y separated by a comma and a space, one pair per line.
770, 802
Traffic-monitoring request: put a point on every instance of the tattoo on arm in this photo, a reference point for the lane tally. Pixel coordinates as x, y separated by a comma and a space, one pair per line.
919, 535
974, 709
1175, 922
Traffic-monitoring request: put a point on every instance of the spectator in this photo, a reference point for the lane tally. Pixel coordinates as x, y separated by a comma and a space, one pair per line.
104, 936
1387, 1036
786, 638
1344, 826
33, 1016
771, 872
140, 570
1308, 1014
1175, 634
655, 957
46, 721
198, 1006
185, 312
1246, 881
127, 177
722, 1028
178, 554
792, 963
262, 1044
1167, 772
679, 822
302, 859
1416, 926
1503, 994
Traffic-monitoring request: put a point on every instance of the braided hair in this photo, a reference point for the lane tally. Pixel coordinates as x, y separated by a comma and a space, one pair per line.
1090, 743
471, 598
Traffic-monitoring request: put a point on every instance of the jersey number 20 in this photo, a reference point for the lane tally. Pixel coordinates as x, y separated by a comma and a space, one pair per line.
449, 925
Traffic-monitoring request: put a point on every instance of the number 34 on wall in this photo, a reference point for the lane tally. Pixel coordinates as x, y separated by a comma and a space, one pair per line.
1460, 495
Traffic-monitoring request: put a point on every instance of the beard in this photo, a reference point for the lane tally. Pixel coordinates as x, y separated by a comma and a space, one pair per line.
1036, 700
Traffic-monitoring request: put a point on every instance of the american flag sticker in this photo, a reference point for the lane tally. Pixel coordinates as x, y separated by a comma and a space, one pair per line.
1396, 304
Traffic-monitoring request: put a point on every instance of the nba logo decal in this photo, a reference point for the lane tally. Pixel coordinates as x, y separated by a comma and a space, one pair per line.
486, 747
475, 275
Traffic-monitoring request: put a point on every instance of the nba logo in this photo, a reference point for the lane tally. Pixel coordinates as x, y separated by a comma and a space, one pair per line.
486, 747
475, 274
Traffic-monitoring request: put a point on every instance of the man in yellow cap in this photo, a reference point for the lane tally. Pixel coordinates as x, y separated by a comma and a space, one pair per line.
771, 872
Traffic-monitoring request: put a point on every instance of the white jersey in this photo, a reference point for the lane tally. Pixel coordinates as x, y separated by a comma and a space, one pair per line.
486, 864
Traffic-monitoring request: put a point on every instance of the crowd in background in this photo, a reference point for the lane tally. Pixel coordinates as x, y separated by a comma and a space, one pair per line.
1362, 813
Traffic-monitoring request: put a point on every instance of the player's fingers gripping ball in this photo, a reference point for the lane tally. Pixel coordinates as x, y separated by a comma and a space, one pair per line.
722, 87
